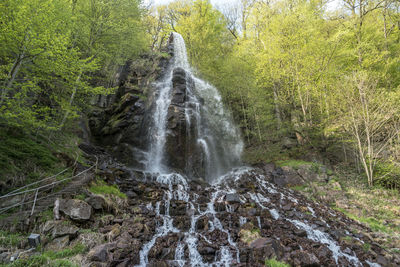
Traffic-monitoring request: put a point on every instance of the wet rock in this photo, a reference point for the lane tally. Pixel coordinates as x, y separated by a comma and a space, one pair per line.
266, 248
164, 248
178, 208
300, 233
302, 258
182, 223
232, 198
76, 209
207, 251
202, 223
158, 264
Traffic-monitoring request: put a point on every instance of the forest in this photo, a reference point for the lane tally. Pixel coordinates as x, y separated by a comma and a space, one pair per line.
309, 83
289, 70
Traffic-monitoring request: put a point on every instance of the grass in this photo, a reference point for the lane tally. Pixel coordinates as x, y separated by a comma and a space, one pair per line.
8, 239
293, 163
50, 258
301, 188
275, 263
65, 253
21, 153
366, 247
39, 261
100, 187
80, 196
372, 223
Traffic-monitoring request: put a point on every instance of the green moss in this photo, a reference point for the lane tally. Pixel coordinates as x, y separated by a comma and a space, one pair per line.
101, 188
80, 197
293, 163
366, 247
275, 263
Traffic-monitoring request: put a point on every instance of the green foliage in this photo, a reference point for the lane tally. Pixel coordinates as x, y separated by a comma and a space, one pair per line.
8, 239
65, 253
100, 187
286, 71
51, 50
34, 261
51, 258
387, 175
18, 150
275, 263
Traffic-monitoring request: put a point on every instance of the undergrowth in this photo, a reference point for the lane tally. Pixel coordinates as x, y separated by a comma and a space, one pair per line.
26, 158
8, 239
50, 258
101, 187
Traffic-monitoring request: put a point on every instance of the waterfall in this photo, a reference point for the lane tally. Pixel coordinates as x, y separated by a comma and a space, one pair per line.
217, 140
156, 151
210, 133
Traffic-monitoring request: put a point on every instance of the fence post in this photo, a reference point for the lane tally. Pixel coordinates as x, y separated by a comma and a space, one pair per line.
34, 202
22, 203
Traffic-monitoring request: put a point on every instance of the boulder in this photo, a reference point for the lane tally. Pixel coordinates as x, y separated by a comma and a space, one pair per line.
232, 198
89, 239
266, 248
97, 202
76, 209
302, 258
58, 243
286, 176
60, 228
101, 253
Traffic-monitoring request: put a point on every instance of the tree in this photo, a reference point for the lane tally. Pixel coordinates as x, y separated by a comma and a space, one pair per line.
371, 116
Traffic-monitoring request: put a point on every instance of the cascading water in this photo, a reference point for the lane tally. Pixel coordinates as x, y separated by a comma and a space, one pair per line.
159, 132
215, 136
217, 140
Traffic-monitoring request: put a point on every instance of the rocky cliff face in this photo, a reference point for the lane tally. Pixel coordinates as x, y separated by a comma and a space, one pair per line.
121, 124
182, 151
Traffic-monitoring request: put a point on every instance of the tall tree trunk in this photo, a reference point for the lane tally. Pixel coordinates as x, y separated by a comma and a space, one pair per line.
71, 99
11, 76
276, 108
